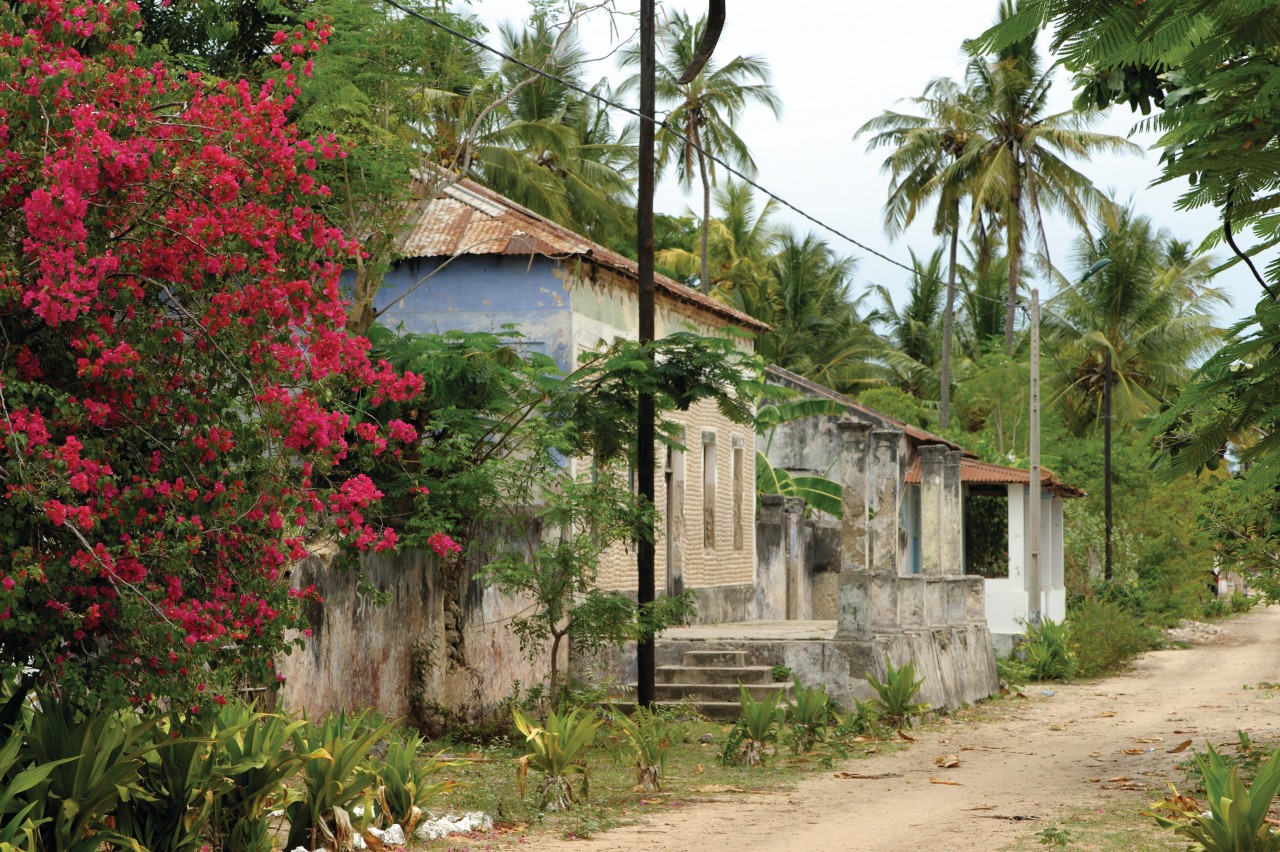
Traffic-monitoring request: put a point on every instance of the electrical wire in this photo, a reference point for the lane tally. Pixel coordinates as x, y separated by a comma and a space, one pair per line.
635, 113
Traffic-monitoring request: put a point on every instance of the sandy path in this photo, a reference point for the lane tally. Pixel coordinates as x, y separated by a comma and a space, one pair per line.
1042, 757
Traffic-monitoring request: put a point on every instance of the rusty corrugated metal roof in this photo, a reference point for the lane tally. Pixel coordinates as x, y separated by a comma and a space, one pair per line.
467, 218
974, 472
773, 371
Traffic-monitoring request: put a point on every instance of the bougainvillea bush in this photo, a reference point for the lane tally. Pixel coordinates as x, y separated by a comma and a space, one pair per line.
172, 362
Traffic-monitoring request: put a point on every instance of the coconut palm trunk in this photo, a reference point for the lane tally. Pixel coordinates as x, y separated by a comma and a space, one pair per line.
948, 324
704, 279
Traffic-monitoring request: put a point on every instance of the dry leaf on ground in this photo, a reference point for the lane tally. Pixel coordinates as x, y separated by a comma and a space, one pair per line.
1180, 747
947, 761
944, 781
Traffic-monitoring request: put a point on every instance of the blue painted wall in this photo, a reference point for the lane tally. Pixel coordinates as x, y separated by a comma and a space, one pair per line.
482, 293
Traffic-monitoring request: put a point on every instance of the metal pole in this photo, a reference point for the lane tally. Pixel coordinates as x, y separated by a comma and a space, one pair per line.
645, 435
1034, 605
1106, 458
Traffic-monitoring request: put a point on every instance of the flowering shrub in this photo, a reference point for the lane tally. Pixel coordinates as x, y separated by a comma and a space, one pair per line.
172, 350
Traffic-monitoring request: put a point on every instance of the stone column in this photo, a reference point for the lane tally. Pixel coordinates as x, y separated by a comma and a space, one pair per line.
855, 458
933, 551
853, 591
771, 558
885, 490
799, 605
952, 514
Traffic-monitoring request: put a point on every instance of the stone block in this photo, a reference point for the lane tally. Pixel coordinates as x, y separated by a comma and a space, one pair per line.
853, 605
911, 603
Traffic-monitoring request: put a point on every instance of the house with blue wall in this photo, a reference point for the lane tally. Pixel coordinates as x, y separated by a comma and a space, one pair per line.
474, 260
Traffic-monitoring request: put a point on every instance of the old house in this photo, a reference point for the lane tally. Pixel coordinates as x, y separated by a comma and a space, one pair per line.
476, 261
988, 526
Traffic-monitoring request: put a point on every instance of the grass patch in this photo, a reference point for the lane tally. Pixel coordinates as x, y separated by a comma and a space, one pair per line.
1110, 827
693, 773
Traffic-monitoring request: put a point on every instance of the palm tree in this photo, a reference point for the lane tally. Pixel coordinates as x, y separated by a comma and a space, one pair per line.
818, 331
741, 241
703, 111
912, 332
925, 147
1145, 319
1019, 170
550, 148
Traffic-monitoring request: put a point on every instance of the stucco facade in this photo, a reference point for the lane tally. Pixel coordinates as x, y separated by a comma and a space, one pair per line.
568, 297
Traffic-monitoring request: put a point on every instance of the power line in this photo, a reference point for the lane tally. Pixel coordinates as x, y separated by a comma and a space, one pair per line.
585, 92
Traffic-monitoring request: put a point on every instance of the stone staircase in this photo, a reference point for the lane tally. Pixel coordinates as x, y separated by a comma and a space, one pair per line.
709, 680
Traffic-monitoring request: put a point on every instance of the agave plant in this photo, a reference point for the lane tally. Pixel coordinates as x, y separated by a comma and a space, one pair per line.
1237, 815
17, 802
650, 736
255, 757
896, 694
335, 779
559, 753
180, 788
406, 783
757, 726
97, 762
811, 714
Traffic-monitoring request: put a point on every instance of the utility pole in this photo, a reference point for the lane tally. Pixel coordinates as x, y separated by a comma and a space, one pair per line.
1106, 458
1034, 605
645, 428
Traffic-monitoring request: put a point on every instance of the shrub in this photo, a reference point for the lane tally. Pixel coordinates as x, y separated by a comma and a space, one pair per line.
896, 694
1104, 637
1046, 650
1240, 602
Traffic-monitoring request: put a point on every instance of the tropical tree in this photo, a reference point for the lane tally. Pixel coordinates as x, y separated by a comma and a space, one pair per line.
817, 329
700, 124
1020, 170
1144, 320
741, 242
914, 332
981, 320
548, 147
925, 146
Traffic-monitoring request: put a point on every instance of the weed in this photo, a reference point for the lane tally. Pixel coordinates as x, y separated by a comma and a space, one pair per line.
780, 673
1013, 672
896, 694
1054, 836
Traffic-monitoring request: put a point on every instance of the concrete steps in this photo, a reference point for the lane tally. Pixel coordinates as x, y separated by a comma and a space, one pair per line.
709, 680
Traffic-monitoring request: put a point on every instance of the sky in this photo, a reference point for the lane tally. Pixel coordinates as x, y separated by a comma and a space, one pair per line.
838, 63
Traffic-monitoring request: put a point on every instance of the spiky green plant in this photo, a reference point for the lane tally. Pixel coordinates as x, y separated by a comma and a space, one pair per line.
1237, 817
335, 779
559, 749
257, 758
811, 715
896, 694
650, 735
406, 782
1046, 650
756, 727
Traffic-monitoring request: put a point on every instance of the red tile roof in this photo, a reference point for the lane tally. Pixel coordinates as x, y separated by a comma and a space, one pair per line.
467, 218
974, 472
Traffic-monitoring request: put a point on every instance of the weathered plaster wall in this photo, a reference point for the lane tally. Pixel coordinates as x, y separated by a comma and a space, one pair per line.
604, 308
483, 293
360, 654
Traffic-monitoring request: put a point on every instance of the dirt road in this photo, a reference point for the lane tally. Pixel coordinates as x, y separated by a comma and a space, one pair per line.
1049, 756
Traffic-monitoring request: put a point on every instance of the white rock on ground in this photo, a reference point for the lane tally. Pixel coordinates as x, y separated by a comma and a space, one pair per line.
1196, 633
433, 829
